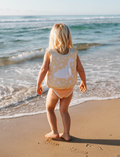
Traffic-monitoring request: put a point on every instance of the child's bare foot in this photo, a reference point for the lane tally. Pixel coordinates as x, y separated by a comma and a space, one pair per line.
52, 135
66, 137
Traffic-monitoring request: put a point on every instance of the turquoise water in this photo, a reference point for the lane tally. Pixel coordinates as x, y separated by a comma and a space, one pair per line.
23, 42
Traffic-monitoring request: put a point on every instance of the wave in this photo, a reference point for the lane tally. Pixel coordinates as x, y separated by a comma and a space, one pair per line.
95, 17
54, 18
17, 99
39, 53
85, 46
21, 20
28, 55
44, 28
95, 25
18, 32
19, 41
81, 27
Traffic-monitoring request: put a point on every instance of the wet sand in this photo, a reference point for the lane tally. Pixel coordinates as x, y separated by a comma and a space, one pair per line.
95, 132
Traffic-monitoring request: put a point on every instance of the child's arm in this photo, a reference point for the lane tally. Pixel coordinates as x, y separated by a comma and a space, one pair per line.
81, 73
42, 73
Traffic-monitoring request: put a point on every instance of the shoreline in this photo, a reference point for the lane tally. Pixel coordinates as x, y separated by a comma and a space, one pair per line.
94, 131
44, 111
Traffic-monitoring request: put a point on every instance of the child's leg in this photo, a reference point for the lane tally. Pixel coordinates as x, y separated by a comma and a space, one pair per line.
64, 103
51, 101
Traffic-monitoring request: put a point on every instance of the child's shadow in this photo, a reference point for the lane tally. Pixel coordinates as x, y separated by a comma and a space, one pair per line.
112, 142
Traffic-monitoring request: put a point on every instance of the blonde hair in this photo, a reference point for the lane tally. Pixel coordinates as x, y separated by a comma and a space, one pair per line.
60, 38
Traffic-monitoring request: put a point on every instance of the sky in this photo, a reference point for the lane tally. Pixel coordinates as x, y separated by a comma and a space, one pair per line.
61, 7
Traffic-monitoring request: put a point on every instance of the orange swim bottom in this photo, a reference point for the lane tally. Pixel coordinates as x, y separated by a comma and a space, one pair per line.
63, 93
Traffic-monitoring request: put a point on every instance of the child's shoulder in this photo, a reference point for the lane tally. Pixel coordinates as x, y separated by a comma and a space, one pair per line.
50, 50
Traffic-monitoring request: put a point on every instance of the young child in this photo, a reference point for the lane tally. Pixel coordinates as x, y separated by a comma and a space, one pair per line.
61, 64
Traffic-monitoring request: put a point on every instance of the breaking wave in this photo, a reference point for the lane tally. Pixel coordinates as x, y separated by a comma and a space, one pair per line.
39, 54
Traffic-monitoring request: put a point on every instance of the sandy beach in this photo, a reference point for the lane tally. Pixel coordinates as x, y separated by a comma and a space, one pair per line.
95, 132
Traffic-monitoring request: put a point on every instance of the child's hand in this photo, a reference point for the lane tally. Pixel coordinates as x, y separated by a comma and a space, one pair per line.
83, 87
39, 90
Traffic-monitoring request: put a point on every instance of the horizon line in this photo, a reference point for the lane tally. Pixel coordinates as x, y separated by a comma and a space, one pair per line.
63, 15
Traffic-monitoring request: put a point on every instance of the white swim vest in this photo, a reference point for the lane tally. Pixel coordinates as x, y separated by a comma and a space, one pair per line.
62, 72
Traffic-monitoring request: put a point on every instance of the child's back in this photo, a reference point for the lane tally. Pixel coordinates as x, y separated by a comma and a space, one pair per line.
62, 72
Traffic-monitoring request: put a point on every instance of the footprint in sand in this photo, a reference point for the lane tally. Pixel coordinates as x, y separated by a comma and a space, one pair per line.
100, 148
49, 141
91, 145
75, 150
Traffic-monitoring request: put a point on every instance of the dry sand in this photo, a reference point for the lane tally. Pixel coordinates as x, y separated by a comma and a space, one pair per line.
95, 131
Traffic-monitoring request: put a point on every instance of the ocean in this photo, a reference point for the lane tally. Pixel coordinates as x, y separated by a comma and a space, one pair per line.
23, 42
